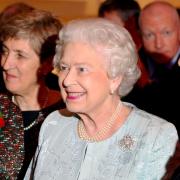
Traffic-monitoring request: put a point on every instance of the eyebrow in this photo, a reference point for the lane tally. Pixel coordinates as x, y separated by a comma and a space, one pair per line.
16, 50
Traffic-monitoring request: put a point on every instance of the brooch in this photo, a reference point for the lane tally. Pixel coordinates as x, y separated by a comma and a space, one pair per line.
127, 143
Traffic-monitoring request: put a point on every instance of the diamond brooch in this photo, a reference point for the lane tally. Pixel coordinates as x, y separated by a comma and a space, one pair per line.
127, 143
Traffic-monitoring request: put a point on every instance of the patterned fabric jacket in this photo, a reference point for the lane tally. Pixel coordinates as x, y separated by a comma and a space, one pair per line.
11, 139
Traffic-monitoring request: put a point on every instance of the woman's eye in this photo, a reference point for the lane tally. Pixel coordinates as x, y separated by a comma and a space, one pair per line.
63, 68
19, 56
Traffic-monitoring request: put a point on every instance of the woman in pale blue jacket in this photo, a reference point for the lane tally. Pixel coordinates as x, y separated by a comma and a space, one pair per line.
99, 137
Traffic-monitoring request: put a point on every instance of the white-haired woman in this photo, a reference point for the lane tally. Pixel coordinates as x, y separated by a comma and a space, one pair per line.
99, 136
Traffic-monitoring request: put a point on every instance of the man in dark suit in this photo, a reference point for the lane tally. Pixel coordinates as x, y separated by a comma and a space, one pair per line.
160, 29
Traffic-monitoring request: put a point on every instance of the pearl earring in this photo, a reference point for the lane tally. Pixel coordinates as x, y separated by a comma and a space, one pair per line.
111, 92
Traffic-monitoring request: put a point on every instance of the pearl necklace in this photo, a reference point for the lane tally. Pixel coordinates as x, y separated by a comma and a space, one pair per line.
40, 116
100, 134
36, 121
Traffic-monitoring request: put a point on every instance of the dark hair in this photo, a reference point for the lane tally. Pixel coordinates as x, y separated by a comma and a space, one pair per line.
128, 11
125, 8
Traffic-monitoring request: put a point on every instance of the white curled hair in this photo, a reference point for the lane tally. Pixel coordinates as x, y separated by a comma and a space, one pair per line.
116, 45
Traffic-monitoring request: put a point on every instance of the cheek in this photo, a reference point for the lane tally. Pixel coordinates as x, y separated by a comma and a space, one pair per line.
62, 90
149, 45
99, 84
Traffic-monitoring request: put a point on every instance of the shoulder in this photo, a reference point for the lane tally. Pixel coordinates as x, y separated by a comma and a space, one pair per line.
57, 121
6, 105
160, 135
154, 122
157, 136
4, 97
152, 127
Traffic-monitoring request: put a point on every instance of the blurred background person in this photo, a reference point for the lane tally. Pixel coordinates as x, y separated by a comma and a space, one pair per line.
28, 46
8, 12
160, 29
126, 13
98, 136
173, 166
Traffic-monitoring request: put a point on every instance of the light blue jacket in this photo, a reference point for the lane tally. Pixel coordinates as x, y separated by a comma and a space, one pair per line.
139, 150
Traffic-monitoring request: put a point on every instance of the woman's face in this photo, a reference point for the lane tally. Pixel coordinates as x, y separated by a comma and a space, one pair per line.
20, 64
83, 79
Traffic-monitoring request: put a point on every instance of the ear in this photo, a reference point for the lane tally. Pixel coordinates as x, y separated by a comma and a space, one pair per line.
115, 83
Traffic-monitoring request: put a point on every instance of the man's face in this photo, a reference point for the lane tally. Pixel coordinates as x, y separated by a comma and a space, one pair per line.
160, 35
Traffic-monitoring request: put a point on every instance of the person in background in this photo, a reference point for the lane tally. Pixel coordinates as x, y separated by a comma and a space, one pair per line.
8, 12
173, 166
51, 79
99, 136
160, 28
126, 13
28, 46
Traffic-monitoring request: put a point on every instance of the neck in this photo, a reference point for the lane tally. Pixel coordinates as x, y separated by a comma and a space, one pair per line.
33, 101
94, 130
96, 117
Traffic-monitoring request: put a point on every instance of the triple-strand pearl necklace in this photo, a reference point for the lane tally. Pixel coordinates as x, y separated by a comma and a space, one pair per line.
100, 134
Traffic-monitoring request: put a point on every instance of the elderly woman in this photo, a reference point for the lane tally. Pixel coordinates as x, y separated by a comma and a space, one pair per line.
28, 47
99, 136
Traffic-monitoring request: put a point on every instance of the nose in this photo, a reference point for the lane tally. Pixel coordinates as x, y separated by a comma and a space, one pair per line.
6, 62
69, 78
158, 42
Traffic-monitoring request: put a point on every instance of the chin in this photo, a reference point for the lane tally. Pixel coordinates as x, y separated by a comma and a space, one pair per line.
12, 89
75, 108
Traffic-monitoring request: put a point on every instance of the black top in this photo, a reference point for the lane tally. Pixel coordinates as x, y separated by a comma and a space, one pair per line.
31, 135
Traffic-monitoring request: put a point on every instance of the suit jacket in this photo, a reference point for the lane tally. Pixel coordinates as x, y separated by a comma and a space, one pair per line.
162, 96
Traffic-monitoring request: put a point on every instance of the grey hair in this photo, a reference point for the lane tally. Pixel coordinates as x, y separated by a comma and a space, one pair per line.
116, 45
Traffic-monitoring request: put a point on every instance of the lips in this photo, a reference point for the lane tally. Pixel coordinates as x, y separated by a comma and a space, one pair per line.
74, 95
9, 76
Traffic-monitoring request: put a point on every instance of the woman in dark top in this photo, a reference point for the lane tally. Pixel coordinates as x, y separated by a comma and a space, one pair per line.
28, 46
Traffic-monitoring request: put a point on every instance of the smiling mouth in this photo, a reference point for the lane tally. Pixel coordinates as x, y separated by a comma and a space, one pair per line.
74, 95
7, 75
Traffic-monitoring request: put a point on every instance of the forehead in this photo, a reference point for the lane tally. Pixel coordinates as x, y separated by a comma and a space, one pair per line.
20, 46
79, 52
17, 43
158, 18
